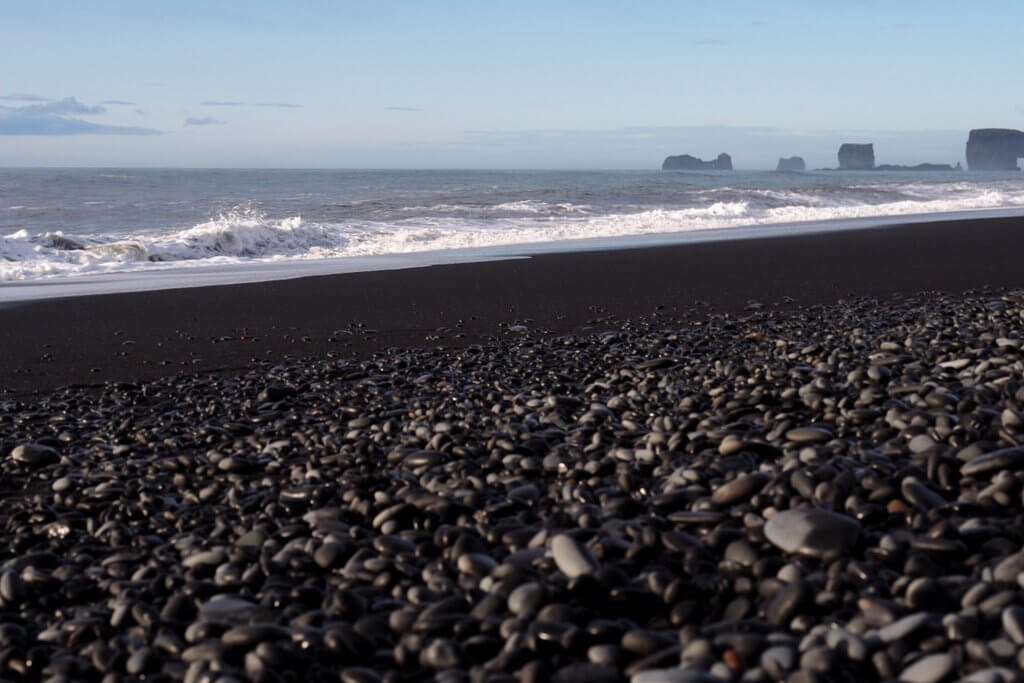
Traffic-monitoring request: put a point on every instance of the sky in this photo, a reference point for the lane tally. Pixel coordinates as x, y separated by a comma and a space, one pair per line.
500, 84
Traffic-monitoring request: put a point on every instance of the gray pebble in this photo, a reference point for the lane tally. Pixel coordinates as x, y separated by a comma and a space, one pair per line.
812, 531
928, 669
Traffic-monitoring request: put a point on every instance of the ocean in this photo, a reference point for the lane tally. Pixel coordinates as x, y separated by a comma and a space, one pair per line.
110, 229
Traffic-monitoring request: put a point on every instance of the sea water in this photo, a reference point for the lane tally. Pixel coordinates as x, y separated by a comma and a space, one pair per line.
111, 229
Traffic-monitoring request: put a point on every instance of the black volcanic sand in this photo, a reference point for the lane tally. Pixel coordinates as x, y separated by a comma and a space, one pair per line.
48, 344
811, 492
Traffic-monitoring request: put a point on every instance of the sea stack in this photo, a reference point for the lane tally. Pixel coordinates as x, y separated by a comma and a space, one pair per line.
686, 162
791, 164
854, 157
994, 149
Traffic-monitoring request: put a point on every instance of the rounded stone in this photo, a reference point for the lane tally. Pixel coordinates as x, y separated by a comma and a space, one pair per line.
813, 532
929, 669
572, 558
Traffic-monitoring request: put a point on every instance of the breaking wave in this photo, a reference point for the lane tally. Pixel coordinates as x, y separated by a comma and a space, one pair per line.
249, 234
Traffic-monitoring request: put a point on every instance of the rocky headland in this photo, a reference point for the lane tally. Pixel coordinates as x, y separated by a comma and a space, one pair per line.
919, 167
686, 162
856, 157
994, 149
791, 164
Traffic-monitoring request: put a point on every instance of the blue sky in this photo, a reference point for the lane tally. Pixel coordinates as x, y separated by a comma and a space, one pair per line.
522, 84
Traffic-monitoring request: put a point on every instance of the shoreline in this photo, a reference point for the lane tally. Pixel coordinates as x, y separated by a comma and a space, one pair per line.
261, 271
143, 335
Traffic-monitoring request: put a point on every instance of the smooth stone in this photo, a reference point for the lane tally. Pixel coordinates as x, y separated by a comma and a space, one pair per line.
248, 636
677, 675
844, 642
35, 455
526, 599
740, 488
809, 435
206, 558
572, 558
1005, 459
231, 609
1013, 623
818, 659
812, 531
917, 493
928, 669
787, 602
901, 628
778, 660
921, 443
996, 674
142, 660
1009, 568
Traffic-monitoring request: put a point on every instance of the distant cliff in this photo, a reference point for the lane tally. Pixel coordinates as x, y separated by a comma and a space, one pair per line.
685, 162
854, 157
994, 149
791, 164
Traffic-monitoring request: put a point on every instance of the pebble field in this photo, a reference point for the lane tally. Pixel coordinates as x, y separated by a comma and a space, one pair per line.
826, 493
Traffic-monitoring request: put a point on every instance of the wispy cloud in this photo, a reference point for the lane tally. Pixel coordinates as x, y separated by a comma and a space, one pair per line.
220, 103
68, 105
57, 118
283, 105
204, 121
124, 102
15, 124
712, 41
903, 26
140, 112
23, 97
403, 108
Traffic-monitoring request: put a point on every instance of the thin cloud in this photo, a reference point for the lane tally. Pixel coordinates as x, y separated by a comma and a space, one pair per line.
403, 108
24, 97
57, 118
140, 112
18, 124
204, 121
903, 26
124, 102
712, 41
68, 105
283, 105
220, 103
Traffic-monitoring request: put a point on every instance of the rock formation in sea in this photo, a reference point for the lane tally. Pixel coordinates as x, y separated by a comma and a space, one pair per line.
994, 149
791, 164
919, 167
854, 157
686, 162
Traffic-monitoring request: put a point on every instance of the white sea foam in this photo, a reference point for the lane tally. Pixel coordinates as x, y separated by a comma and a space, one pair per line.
248, 235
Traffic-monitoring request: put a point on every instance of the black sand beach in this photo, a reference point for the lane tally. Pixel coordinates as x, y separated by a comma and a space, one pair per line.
815, 474
146, 335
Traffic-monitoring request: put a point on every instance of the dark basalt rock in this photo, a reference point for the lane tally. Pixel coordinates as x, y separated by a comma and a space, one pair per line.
791, 164
686, 162
854, 157
919, 167
994, 149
